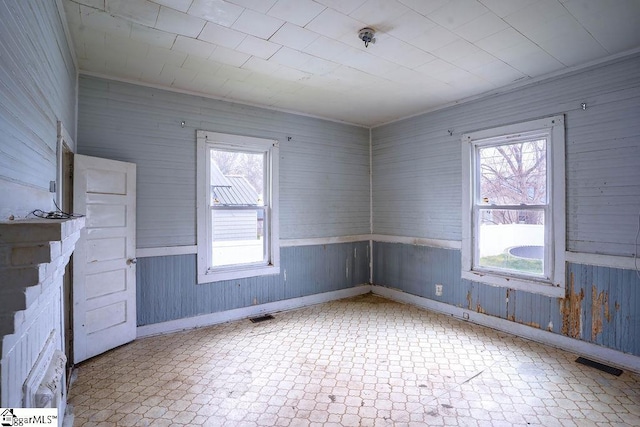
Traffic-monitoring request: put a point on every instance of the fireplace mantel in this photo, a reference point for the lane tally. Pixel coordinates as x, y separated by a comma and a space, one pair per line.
33, 257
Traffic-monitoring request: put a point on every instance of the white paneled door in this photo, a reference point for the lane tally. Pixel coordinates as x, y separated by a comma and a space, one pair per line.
104, 270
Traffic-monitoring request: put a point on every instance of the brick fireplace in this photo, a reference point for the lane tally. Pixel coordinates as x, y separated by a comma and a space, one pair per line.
33, 256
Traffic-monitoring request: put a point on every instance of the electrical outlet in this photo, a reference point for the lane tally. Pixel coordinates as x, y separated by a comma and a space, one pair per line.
438, 290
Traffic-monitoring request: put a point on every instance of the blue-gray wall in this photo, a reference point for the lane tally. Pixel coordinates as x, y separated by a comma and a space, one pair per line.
601, 308
167, 288
324, 168
324, 192
417, 192
37, 88
417, 185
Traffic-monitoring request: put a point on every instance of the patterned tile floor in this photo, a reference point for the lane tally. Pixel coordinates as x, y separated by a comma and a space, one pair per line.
363, 361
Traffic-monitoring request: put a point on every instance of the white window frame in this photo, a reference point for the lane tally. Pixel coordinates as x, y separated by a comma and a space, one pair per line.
205, 142
553, 284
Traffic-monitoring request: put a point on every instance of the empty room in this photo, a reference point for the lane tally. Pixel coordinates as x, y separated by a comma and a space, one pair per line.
320, 212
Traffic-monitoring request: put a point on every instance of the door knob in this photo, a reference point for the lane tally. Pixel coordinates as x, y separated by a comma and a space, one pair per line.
131, 261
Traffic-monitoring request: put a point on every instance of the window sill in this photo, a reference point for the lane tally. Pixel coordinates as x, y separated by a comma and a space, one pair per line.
531, 286
218, 276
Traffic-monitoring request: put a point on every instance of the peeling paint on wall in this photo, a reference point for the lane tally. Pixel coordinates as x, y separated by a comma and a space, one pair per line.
572, 311
607, 316
599, 304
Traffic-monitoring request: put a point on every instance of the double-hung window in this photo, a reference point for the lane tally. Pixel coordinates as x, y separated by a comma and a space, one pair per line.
237, 206
513, 206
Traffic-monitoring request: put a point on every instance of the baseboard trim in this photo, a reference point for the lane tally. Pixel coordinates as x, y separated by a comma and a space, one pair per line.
591, 351
245, 312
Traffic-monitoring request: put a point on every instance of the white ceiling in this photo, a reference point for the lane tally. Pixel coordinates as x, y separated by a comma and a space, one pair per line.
305, 56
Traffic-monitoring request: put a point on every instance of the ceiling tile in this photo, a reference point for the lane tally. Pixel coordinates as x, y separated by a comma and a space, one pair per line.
298, 12
534, 17
475, 60
293, 36
72, 14
353, 77
141, 11
410, 25
436, 68
103, 21
379, 13
434, 39
223, 36
182, 76
96, 65
404, 75
456, 50
498, 73
528, 58
613, 23
164, 78
181, 5
232, 48
140, 65
327, 48
257, 24
481, 27
193, 47
114, 61
290, 58
96, 4
228, 56
457, 12
152, 36
261, 6
228, 72
180, 23
344, 6
399, 52
501, 40
335, 24
92, 42
258, 65
200, 64
169, 57
124, 44
550, 26
302, 61
258, 47
503, 8
573, 47
217, 11
370, 64
424, 7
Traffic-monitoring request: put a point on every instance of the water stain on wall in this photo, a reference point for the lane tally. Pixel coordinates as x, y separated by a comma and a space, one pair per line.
571, 308
599, 306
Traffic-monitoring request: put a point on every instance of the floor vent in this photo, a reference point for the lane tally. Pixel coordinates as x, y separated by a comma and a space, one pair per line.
262, 318
605, 368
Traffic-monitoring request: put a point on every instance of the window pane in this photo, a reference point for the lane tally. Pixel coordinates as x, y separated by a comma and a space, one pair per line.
511, 240
513, 174
237, 178
238, 237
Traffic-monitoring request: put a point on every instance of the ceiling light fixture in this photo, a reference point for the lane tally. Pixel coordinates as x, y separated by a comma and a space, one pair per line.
367, 36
